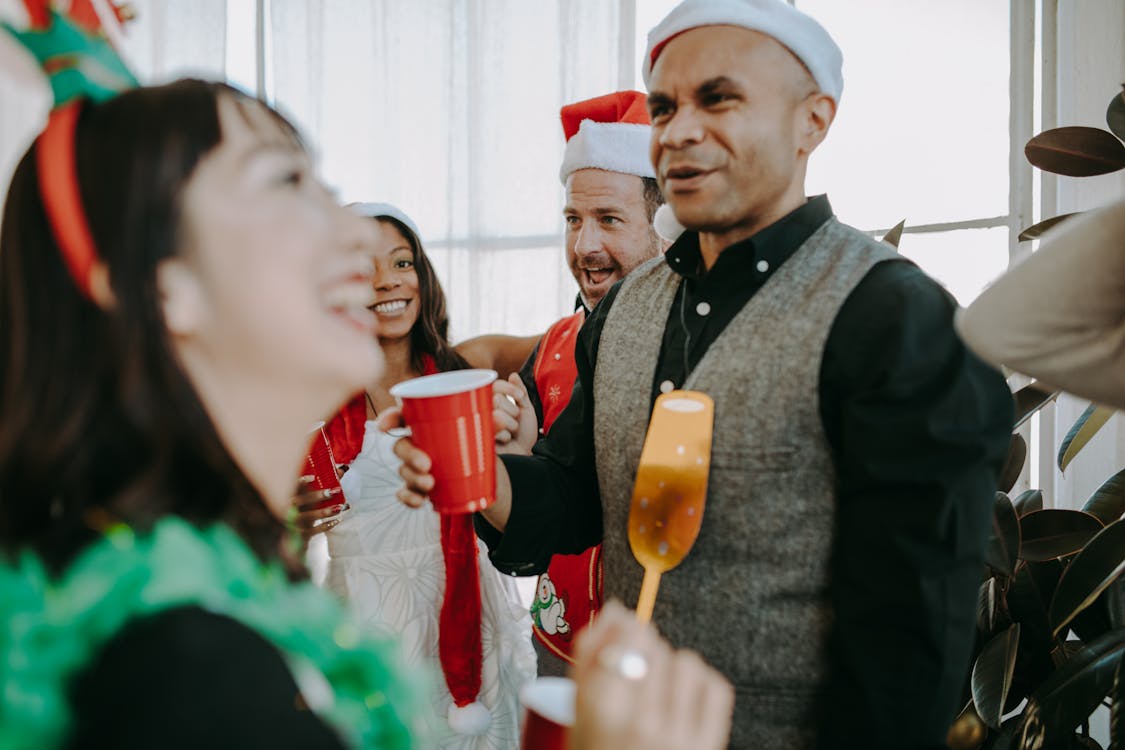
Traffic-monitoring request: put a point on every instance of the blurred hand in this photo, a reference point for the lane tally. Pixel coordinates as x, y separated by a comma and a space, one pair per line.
415, 468
310, 519
634, 690
513, 416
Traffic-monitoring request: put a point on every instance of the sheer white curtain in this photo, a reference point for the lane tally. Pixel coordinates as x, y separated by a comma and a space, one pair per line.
450, 111
173, 38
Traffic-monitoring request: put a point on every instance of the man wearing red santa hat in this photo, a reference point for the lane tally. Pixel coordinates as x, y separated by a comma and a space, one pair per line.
611, 199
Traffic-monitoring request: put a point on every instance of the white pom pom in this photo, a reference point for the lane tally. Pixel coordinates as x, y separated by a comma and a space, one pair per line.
666, 224
472, 719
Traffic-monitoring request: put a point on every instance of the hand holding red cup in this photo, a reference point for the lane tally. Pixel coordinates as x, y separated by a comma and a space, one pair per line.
450, 419
320, 468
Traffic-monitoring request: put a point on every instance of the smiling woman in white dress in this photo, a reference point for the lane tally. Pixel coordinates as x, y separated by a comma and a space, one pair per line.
386, 561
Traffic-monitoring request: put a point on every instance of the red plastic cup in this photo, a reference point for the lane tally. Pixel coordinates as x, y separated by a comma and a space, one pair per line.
320, 468
450, 418
548, 713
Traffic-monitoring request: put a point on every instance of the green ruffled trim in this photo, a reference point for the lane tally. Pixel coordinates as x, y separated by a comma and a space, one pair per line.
50, 630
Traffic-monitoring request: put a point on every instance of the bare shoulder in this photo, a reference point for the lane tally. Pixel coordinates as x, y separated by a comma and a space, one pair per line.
499, 352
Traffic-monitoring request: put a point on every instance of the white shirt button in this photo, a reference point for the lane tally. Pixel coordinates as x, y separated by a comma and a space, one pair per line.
667, 386
703, 308
558, 357
763, 266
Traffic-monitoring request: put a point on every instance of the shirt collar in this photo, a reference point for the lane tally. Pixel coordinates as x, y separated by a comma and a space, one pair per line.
770, 246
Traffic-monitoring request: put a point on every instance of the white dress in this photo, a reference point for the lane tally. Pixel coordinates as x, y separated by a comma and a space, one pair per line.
385, 561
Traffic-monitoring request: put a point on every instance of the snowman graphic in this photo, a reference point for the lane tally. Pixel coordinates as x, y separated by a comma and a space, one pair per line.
548, 610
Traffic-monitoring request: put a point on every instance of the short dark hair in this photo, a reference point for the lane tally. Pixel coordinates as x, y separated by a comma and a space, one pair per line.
97, 417
430, 333
653, 198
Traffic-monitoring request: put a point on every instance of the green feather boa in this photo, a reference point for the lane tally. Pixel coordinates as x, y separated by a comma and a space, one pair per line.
50, 629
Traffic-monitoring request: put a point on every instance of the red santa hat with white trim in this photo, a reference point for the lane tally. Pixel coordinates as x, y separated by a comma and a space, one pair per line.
608, 132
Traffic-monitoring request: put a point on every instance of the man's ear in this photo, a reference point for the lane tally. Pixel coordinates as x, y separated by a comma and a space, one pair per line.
816, 114
181, 297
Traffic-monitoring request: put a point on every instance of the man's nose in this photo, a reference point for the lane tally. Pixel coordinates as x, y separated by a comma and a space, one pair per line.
589, 239
684, 128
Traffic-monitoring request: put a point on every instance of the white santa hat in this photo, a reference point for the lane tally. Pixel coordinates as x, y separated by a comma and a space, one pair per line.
803, 36
610, 132
378, 210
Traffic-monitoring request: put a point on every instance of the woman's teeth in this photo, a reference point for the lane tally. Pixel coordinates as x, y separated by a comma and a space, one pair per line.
387, 308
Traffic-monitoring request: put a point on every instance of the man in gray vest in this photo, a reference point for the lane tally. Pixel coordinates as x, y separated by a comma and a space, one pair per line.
857, 442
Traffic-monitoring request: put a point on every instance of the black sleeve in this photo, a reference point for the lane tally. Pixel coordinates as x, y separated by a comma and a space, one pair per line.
556, 506
527, 375
919, 429
186, 678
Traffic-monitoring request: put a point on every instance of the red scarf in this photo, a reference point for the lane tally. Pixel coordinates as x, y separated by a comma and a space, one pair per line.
459, 639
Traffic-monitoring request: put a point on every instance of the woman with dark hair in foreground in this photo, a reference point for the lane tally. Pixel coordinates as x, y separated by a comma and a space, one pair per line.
150, 428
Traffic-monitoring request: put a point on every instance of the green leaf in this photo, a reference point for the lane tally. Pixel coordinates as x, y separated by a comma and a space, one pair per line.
894, 234
1115, 604
1076, 151
1003, 551
1084, 428
1115, 118
1068, 697
986, 607
1046, 534
1092, 622
1035, 231
1030, 399
1004, 739
1028, 502
992, 675
1090, 573
1028, 600
1108, 501
1013, 464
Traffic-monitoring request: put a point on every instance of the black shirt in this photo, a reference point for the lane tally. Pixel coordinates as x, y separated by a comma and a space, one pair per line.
187, 678
918, 428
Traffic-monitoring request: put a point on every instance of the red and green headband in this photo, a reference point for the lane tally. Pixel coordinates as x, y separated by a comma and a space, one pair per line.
80, 63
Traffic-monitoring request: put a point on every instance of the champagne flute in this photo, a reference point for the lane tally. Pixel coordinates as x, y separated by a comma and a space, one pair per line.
671, 488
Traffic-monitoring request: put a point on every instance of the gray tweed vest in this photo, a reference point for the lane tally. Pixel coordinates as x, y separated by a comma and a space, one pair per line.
752, 595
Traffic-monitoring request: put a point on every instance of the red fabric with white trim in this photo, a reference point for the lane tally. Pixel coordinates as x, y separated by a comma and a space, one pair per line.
577, 579
459, 638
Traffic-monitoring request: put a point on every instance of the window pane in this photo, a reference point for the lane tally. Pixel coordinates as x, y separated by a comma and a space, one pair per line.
519, 291
964, 260
922, 129
648, 14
